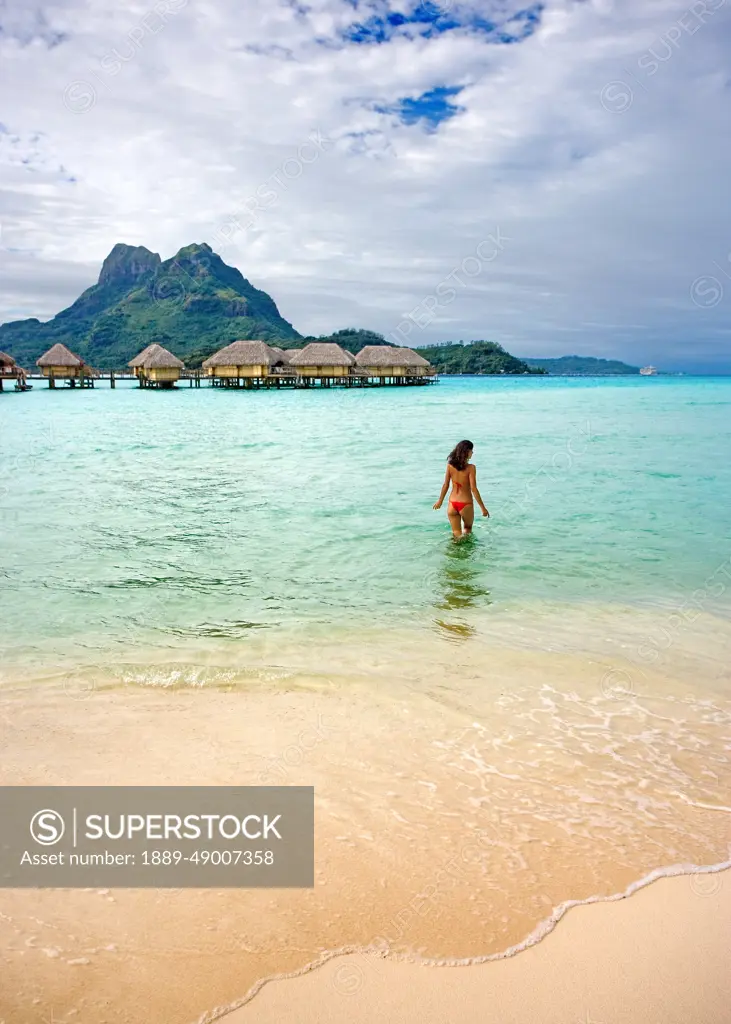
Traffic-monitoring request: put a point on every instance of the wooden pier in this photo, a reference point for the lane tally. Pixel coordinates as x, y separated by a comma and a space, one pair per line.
294, 380
242, 365
84, 380
195, 378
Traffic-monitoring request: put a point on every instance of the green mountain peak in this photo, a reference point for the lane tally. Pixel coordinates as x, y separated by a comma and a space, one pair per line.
194, 300
128, 262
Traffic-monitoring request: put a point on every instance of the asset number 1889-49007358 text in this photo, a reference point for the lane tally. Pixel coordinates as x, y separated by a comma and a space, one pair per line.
246, 858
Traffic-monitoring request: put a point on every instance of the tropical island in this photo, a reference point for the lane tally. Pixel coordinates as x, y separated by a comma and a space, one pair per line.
487, 357
193, 301
584, 366
476, 357
194, 304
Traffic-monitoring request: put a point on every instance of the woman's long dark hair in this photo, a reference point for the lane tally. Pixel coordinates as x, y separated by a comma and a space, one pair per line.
460, 454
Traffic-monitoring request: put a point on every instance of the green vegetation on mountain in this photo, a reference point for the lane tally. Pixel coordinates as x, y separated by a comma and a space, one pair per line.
478, 357
189, 303
194, 304
581, 366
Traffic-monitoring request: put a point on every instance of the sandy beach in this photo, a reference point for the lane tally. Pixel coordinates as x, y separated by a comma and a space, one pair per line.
661, 955
451, 825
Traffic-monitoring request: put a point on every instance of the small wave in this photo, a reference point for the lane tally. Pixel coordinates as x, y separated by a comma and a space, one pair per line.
182, 677
536, 936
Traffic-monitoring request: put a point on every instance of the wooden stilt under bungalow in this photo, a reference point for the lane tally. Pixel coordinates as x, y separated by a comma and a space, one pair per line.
394, 364
159, 369
60, 363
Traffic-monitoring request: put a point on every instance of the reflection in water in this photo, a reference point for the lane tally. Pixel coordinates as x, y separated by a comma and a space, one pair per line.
458, 584
455, 630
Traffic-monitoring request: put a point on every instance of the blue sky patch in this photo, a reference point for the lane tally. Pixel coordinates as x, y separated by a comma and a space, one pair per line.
431, 107
427, 19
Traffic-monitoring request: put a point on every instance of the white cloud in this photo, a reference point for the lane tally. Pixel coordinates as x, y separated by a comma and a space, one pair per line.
599, 146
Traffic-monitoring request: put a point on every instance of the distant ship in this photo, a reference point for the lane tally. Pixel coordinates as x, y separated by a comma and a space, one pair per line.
648, 371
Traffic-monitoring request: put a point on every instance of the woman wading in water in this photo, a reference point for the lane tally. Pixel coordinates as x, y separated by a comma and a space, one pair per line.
463, 478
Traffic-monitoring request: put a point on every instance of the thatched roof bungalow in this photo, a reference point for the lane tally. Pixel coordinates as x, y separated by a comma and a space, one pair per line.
241, 359
280, 354
418, 365
139, 359
280, 362
160, 366
392, 361
8, 367
322, 359
60, 361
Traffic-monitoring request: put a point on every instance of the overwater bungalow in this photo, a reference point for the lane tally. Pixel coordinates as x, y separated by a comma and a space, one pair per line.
281, 371
136, 363
60, 363
282, 356
160, 368
8, 368
392, 362
322, 359
417, 365
247, 360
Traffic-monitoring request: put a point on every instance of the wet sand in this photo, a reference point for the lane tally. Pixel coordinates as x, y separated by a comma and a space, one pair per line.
452, 820
661, 955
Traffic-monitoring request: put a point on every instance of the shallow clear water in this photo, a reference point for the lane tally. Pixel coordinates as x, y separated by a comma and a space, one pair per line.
206, 515
539, 715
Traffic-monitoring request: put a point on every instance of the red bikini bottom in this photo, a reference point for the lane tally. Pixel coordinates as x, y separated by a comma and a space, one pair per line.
459, 505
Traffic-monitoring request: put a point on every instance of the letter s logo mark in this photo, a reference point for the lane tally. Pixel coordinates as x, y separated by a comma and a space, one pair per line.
47, 827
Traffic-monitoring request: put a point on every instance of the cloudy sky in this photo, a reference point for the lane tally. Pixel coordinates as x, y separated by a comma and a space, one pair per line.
552, 176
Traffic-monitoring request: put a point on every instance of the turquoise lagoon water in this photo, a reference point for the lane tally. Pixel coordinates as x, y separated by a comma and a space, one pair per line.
198, 517
283, 547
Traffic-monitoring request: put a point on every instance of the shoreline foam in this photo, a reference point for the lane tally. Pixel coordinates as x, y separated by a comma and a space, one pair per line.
362, 1006
538, 935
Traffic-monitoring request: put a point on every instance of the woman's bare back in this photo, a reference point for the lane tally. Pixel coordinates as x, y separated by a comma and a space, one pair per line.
461, 480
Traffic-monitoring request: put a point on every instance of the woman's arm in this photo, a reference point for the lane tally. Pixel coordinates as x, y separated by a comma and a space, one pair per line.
478, 496
445, 488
